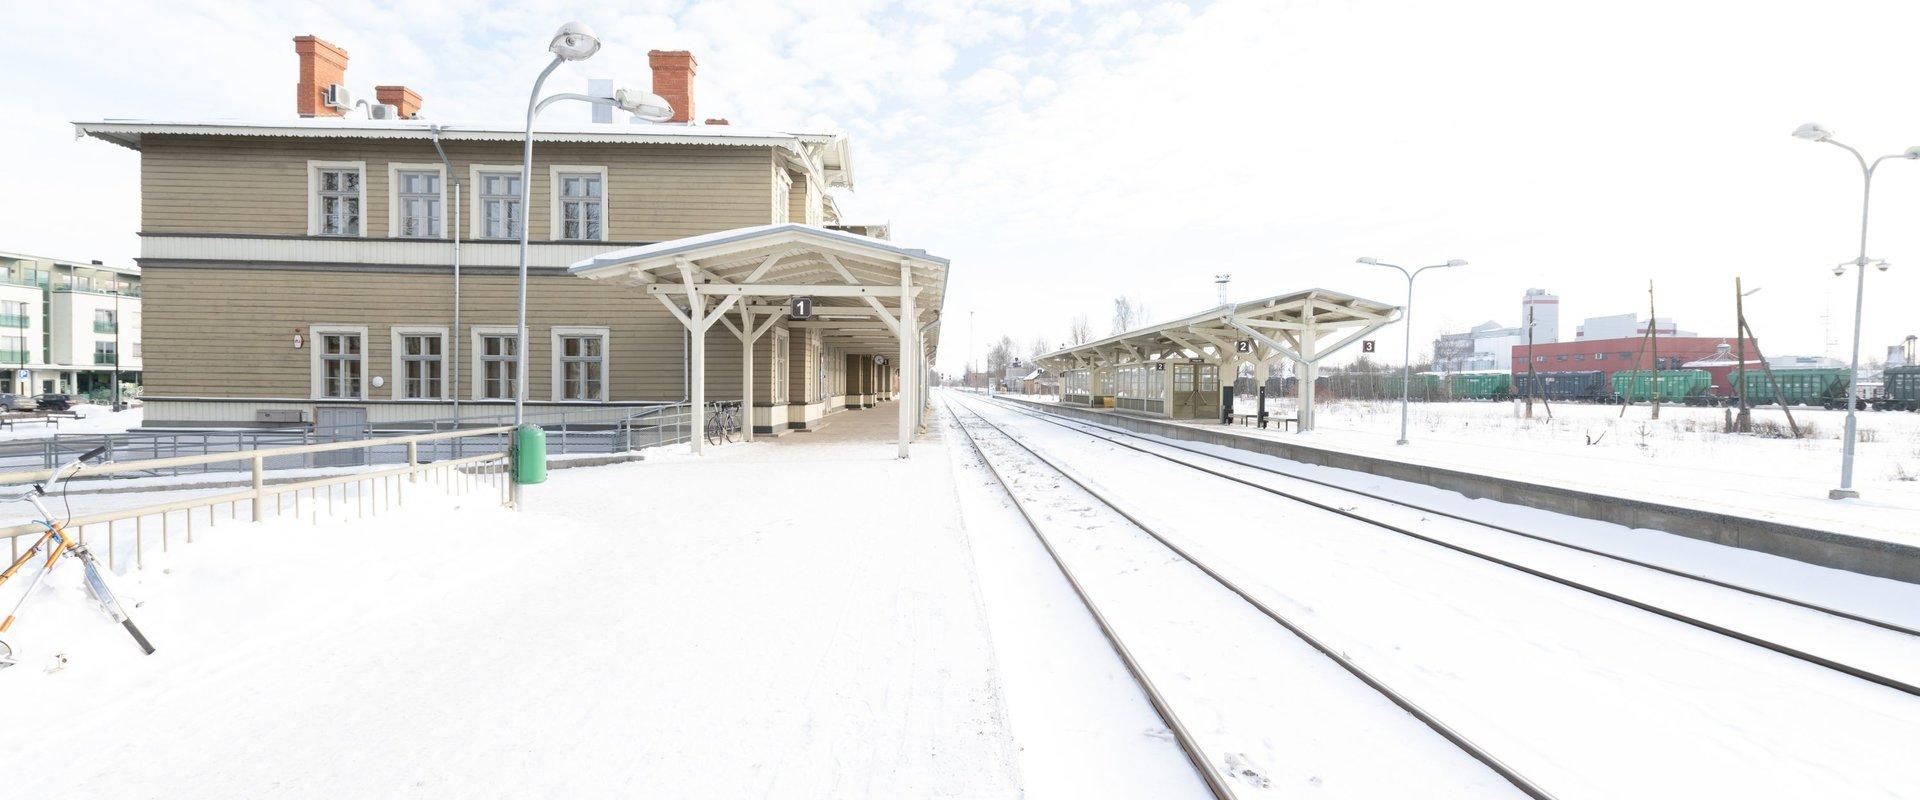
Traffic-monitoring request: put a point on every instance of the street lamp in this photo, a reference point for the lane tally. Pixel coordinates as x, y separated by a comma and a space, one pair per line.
573, 42
1814, 133
1406, 321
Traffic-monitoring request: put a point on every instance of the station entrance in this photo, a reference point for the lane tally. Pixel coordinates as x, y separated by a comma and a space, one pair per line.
1196, 391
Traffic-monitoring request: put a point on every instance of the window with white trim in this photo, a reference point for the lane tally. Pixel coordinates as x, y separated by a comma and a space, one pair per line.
580, 364
499, 366
582, 206
499, 201
417, 203
342, 361
420, 358
777, 390
338, 195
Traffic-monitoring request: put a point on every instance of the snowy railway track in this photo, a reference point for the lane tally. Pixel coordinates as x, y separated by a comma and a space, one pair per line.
1220, 784
1119, 439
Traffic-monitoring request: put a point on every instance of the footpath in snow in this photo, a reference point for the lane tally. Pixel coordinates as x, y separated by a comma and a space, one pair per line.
798, 619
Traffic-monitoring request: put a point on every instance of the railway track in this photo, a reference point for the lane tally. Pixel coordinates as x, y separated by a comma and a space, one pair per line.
1218, 783
1759, 641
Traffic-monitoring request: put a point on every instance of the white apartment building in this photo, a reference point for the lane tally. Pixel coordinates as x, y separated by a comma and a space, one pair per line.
1489, 345
1627, 326
66, 326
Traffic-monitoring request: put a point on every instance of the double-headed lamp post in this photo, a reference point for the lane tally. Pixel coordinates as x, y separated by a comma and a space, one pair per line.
573, 42
1406, 322
1814, 133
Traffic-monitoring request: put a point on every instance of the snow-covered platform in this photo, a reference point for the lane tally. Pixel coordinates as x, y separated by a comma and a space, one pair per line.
1885, 547
798, 619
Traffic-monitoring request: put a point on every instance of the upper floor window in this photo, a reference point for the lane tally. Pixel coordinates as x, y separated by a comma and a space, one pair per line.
13, 314
337, 199
105, 352
782, 195
499, 205
104, 321
579, 203
416, 203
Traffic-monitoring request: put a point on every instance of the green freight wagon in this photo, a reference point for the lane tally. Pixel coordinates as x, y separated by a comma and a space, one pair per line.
1481, 385
1676, 385
1903, 388
1425, 386
1798, 387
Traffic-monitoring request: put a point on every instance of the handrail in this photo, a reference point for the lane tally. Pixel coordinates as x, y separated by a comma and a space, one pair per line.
248, 455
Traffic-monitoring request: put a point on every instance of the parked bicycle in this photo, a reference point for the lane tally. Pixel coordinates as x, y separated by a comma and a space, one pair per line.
722, 422
55, 543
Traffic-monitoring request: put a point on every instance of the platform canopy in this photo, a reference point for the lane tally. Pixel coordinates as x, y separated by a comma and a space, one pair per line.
1304, 327
866, 296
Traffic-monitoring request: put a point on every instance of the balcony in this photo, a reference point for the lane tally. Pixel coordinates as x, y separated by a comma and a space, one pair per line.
13, 321
10, 357
105, 327
105, 359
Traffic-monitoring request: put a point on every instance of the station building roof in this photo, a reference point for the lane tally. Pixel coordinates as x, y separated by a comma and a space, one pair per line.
1289, 325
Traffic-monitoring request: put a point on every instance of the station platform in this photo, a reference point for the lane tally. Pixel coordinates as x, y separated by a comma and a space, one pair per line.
879, 424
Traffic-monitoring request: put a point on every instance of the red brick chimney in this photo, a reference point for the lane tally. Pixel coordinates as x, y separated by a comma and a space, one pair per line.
673, 80
400, 97
321, 65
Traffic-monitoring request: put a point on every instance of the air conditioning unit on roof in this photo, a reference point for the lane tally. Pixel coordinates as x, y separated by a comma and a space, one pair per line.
338, 97
383, 111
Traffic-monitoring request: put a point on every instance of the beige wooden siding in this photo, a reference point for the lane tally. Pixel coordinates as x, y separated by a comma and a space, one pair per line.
258, 185
797, 198
229, 332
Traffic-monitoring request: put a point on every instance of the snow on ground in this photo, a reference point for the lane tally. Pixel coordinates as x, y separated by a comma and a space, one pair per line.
794, 619
1681, 459
93, 419
1586, 696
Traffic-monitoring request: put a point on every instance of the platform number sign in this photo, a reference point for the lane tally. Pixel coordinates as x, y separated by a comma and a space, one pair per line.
1243, 346
1366, 346
800, 307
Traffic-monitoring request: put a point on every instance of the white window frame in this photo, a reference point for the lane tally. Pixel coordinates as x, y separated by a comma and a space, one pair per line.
313, 197
316, 379
477, 364
780, 358
476, 221
782, 196
556, 381
556, 222
396, 339
393, 198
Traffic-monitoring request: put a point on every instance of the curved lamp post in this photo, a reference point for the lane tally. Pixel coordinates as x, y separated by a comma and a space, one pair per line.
573, 42
1814, 133
1406, 321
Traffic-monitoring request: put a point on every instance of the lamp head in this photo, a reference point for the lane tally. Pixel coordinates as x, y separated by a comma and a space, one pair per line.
1840, 269
1369, 260
1456, 263
1812, 132
1883, 265
645, 105
1912, 152
574, 42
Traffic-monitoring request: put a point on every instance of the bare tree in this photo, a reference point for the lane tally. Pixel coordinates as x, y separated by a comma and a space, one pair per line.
1079, 331
1128, 314
1001, 356
1039, 348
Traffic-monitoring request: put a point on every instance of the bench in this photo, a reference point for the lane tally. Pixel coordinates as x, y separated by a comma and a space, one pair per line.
1250, 419
8, 421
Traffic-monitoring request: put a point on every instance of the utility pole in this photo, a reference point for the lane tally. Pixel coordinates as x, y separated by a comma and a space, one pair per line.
1533, 381
1743, 422
116, 342
1653, 331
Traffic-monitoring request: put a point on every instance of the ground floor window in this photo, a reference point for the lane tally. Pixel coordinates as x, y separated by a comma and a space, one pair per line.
419, 356
497, 370
339, 362
580, 364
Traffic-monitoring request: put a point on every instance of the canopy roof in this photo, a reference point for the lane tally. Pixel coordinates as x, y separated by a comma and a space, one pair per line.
1288, 325
853, 280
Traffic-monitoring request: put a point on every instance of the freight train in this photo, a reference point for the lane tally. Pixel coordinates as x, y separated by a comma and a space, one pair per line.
1822, 387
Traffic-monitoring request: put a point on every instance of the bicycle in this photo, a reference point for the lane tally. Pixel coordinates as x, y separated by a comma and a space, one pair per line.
56, 543
721, 424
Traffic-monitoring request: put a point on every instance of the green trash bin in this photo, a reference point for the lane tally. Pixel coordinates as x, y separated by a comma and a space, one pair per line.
529, 455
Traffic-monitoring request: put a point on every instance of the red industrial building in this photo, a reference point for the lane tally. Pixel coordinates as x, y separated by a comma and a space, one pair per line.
1608, 356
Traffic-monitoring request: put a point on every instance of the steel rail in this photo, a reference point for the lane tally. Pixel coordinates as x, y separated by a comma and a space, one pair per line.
1786, 650
1069, 423
1405, 703
1216, 783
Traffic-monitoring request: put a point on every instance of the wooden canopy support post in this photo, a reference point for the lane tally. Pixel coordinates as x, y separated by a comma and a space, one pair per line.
909, 333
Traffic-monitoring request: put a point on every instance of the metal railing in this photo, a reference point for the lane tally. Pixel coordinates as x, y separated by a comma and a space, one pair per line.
361, 491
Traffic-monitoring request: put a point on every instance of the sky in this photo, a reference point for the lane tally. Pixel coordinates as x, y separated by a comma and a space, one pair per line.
1065, 152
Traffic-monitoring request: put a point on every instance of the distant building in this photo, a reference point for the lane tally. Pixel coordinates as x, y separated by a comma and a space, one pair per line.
1489, 345
1805, 362
1608, 356
65, 325
1626, 326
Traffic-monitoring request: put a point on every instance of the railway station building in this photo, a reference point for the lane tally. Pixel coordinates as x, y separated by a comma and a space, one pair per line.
1174, 369
300, 270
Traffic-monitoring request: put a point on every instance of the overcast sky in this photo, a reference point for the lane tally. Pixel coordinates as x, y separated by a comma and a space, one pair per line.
1062, 153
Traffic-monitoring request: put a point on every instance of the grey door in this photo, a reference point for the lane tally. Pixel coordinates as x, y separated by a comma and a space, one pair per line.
1183, 379
340, 424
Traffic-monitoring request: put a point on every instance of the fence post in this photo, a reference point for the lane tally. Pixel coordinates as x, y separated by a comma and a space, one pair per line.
413, 461
259, 483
